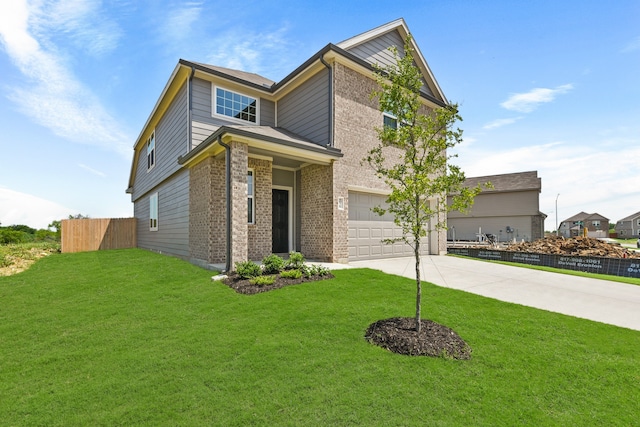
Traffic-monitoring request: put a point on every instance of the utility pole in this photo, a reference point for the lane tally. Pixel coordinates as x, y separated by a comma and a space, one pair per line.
557, 231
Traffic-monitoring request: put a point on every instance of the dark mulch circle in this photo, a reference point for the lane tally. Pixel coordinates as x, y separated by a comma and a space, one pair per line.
399, 335
242, 286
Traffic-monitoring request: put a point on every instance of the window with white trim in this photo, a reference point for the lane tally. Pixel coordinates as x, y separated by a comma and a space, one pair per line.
389, 120
251, 201
151, 151
235, 105
153, 212
595, 223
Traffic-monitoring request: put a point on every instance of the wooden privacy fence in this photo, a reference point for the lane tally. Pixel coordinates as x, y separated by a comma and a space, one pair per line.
78, 235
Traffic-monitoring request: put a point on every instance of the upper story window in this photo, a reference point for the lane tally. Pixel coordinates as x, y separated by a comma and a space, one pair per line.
389, 120
151, 150
236, 105
595, 223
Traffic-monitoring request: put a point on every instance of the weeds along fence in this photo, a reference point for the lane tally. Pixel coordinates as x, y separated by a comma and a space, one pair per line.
89, 234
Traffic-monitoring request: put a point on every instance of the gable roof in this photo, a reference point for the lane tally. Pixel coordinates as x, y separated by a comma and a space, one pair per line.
520, 181
231, 74
583, 216
631, 217
401, 27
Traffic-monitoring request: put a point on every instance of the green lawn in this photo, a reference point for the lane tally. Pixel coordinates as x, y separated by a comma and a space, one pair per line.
128, 337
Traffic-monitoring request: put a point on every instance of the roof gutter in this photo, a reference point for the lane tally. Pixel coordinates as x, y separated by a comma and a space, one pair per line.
329, 99
190, 110
227, 156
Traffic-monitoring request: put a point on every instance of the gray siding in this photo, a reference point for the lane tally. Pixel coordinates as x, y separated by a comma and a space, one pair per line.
171, 142
172, 236
305, 111
205, 123
376, 51
267, 112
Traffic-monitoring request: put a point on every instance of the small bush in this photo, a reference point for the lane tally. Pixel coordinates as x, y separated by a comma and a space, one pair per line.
263, 280
291, 274
248, 269
315, 270
296, 260
272, 264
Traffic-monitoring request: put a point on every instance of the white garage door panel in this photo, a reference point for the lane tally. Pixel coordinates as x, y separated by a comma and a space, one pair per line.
367, 230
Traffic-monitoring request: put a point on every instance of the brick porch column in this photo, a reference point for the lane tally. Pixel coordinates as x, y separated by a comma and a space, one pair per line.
239, 212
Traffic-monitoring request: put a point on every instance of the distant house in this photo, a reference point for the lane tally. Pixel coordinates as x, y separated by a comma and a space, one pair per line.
509, 211
596, 225
629, 226
231, 166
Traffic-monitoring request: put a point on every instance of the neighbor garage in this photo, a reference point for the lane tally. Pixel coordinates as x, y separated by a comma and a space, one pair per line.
367, 229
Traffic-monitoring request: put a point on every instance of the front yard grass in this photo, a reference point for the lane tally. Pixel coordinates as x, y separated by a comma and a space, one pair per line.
129, 337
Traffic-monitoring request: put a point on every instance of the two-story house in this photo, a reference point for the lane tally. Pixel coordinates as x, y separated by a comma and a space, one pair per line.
629, 226
510, 210
594, 224
232, 166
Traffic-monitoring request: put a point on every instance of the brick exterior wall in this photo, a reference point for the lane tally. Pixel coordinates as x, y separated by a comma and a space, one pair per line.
239, 213
259, 237
356, 117
316, 212
207, 207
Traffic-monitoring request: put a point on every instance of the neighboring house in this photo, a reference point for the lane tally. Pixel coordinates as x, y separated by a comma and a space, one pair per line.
510, 210
629, 227
596, 225
232, 166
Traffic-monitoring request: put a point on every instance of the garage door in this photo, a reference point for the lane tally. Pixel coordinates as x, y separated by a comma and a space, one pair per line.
367, 229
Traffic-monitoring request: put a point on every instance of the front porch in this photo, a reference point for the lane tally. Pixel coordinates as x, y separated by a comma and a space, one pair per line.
280, 196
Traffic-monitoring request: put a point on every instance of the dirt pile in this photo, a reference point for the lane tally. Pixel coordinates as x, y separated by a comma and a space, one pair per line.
577, 246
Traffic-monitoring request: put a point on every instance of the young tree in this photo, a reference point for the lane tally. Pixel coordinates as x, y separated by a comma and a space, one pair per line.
412, 158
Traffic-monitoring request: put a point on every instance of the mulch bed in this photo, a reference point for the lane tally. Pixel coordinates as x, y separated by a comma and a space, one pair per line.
242, 286
399, 335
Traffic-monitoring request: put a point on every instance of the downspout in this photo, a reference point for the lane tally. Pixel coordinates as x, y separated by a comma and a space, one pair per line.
329, 100
227, 150
190, 110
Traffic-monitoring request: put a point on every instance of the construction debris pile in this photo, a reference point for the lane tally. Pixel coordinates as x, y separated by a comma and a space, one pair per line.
576, 246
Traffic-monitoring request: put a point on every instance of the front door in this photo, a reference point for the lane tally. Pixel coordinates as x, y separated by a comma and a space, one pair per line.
280, 225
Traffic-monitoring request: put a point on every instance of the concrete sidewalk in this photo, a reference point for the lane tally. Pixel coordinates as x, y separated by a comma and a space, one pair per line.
600, 300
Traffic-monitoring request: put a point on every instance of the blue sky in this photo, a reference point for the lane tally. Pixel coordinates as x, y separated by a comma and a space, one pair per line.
550, 86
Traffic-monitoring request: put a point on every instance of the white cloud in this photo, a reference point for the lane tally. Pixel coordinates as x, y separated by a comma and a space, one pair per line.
529, 101
254, 52
500, 122
80, 20
179, 21
22, 208
632, 46
52, 95
91, 170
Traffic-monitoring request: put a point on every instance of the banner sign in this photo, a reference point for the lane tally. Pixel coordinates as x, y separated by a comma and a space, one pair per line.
625, 267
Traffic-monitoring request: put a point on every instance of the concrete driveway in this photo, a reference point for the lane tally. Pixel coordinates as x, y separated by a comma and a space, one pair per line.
600, 300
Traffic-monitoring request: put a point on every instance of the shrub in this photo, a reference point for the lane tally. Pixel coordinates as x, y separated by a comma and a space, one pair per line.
263, 280
248, 269
272, 264
315, 270
291, 274
8, 236
296, 260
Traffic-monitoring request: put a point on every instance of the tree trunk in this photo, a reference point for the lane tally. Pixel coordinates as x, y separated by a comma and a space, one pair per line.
418, 287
